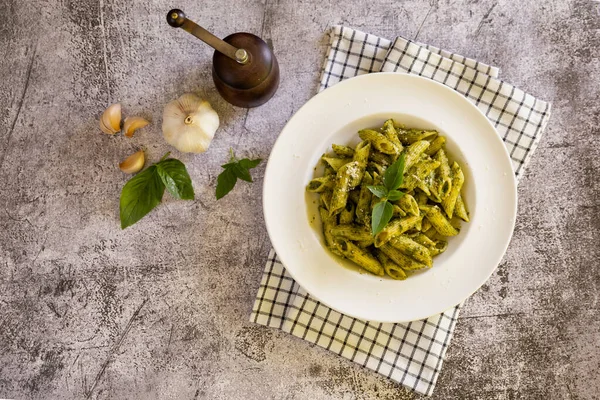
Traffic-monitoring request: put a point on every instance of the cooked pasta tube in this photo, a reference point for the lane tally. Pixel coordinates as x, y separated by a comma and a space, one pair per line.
363, 206
347, 214
321, 184
444, 178
361, 156
408, 204
390, 132
458, 179
405, 262
409, 136
440, 223
328, 223
413, 153
352, 232
378, 140
460, 210
435, 145
343, 178
412, 249
392, 269
394, 228
361, 257
343, 151
335, 163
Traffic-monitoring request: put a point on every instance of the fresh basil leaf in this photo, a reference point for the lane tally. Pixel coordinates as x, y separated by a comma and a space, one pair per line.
382, 213
379, 191
234, 169
245, 163
241, 172
249, 164
243, 167
394, 174
176, 179
394, 195
225, 182
140, 195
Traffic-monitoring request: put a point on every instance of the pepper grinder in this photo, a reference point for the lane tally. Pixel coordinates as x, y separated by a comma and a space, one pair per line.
245, 70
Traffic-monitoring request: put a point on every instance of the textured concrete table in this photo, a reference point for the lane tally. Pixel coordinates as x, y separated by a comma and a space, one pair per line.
160, 310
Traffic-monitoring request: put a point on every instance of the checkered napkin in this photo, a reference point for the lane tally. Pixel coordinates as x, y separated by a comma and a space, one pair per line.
408, 353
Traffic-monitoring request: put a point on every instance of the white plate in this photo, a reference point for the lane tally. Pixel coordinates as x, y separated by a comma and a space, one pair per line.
335, 116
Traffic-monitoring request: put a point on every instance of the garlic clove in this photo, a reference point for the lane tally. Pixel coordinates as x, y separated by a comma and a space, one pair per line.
189, 123
110, 121
132, 124
134, 163
104, 129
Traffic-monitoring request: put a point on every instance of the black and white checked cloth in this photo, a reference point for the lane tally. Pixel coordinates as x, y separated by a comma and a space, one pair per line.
408, 353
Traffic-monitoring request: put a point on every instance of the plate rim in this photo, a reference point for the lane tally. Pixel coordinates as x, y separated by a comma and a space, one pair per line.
454, 93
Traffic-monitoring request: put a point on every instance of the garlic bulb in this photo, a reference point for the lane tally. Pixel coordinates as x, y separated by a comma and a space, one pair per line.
134, 163
189, 123
110, 121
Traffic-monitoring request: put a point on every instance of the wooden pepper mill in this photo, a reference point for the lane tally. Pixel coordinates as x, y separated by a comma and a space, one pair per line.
245, 70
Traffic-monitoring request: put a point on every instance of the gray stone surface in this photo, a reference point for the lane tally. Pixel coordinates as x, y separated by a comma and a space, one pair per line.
161, 310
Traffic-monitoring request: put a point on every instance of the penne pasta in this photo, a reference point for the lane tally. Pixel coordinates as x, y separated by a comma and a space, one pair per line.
394, 228
413, 153
405, 262
347, 214
365, 243
352, 232
353, 195
343, 179
412, 249
424, 240
440, 223
426, 225
328, 170
378, 140
421, 198
374, 167
390, 217
390, 132
460, 210
361, 156
328, 223
343, 151
321, 184
435, 145
398, 211
409, 205
325, 199
392, 269
444, 180
419, 174
363, 206
378, 157
431, 233
361, 257
336, 163
439, 247
449, 202
409, 136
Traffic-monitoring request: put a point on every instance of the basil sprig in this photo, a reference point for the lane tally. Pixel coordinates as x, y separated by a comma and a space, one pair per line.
144, 191
388, 192
234, 169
